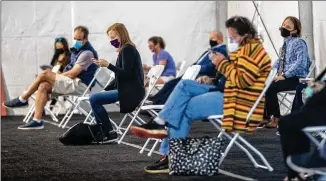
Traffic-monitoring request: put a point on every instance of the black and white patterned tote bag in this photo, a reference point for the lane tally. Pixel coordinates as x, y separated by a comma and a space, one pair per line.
195, 156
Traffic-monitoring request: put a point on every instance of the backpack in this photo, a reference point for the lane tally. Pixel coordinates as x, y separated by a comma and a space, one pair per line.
82, 134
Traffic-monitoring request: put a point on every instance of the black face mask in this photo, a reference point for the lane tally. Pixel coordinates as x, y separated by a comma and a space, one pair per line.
59, 51
284, 32
212, 43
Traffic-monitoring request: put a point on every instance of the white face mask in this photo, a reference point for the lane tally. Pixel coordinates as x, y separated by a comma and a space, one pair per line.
233, 46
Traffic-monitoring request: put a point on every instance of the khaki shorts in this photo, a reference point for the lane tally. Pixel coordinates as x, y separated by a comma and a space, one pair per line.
66, 86
167, 78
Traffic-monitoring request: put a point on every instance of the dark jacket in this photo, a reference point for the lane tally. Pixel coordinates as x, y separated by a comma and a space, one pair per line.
129, 78
207, 67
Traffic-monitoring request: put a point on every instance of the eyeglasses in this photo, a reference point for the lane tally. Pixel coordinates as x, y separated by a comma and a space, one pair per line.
58, 39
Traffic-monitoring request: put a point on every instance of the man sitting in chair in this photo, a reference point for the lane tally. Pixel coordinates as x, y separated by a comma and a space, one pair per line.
207, 68
74, 81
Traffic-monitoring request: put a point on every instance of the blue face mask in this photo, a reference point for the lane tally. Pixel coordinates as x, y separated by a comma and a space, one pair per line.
309, 92
77, 44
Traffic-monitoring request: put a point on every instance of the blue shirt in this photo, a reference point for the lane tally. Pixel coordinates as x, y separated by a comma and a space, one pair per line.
169, 69
296, 61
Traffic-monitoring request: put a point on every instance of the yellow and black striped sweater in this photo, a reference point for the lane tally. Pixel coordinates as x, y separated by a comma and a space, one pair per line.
246, 73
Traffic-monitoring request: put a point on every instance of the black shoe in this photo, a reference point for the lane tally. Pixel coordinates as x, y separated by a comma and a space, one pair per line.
161, 166
14, 103
150, 130
110, 137
311, 163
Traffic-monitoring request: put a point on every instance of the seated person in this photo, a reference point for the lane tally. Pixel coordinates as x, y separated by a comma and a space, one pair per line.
60, 59
191, 100
293, 140
74, 81
161, 57
207, 68
129, 85
293, 64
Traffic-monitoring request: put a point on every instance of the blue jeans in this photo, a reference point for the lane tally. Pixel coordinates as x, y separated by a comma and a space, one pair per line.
188, 101
97, 101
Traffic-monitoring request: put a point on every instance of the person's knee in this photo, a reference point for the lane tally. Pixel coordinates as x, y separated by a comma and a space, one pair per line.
93, 99
185, 82
44, 74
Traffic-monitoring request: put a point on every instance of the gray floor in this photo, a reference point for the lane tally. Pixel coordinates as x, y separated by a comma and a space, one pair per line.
38, 155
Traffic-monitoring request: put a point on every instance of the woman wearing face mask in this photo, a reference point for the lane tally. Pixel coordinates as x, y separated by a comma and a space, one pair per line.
245, 74
129, 80
292, 65
61, 57
161, 57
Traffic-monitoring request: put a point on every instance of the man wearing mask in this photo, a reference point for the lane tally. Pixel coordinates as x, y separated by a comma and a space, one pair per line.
77, 75
207, 69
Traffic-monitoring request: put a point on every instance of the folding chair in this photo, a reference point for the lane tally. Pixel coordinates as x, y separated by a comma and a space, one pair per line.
153, 75
76, 103
235, 138
191, 74
313, 132
180, 67
47, 109
89, 118
283, 96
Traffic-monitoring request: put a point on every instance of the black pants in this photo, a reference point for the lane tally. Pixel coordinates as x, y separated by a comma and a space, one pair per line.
271, 101
162, 96
293, 140
297, 101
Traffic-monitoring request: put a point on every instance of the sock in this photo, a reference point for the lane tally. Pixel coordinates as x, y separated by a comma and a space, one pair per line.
159, 121
21, 99
38, 121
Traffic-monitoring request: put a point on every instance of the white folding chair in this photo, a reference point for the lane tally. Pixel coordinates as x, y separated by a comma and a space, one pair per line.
75, 103
313, 132
235, 138
89, 118
190, 74
283, 96
153, 75
180, 67
47, 109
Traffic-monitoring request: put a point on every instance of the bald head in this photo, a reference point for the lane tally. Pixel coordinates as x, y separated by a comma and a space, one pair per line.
216, 36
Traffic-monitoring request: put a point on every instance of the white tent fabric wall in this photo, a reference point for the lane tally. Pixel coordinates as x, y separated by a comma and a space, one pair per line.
319, 21
29, 28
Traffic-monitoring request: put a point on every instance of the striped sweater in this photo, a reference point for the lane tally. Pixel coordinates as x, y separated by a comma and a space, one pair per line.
246, 74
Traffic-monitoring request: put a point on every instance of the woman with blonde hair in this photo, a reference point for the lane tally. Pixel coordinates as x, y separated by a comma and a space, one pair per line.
128, 87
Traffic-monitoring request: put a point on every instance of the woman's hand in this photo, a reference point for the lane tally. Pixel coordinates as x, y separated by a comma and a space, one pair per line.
101, 62
278, 78
204, 80
216, 57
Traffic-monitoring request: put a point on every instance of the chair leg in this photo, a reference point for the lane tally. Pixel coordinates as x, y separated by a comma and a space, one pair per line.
267, 165
145, 145
29, 113
153, 148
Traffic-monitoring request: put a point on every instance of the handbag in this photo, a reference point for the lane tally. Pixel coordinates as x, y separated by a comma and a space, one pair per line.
195, 156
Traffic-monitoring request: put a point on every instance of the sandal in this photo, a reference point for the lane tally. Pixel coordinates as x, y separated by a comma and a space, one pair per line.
262, 124
273, 123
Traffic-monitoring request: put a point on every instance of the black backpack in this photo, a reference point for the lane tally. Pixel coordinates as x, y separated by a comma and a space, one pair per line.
82, 134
